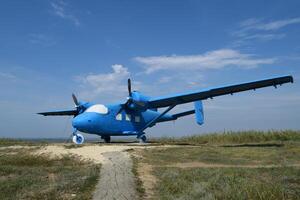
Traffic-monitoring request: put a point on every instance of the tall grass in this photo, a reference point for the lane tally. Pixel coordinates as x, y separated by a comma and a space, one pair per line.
228, 183
12, 142
27, 176
233, 137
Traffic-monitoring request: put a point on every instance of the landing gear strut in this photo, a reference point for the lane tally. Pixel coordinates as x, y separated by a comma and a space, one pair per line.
142, 138
106, 139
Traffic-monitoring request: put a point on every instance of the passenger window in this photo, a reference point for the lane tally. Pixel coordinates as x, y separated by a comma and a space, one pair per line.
119, 117
128, 117
137, 119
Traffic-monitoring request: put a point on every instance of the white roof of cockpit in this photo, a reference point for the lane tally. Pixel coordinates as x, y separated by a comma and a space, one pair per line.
98, 108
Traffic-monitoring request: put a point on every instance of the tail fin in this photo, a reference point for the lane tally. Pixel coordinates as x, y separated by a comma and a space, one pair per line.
199, 113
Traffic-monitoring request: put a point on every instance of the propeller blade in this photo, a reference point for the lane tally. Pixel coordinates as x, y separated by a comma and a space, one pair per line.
75, 100
129, 86
129, 99
122, 107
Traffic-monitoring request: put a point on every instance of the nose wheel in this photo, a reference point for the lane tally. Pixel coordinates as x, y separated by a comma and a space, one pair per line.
77, 138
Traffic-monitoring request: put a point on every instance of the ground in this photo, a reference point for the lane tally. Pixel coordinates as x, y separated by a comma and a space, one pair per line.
25, 175
206, 172
229, 167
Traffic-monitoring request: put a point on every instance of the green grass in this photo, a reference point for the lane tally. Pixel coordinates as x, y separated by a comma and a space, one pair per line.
281, 149
287, 154
228, 183
138, 182
4, 142
27, 176
231, 137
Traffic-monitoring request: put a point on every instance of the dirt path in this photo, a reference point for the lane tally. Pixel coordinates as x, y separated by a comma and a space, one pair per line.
116, 178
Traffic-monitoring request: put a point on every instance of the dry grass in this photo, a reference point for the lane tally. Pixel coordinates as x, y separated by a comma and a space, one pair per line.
27, 176
228, 183
233, 137
266, 169
4, 142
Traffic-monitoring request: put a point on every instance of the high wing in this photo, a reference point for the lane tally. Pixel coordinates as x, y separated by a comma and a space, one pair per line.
205, 94
61, 113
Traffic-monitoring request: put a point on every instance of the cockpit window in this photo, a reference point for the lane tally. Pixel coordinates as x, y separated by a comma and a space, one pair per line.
98, 108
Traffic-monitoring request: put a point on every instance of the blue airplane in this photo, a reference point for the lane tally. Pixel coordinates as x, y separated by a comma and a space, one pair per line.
140, 112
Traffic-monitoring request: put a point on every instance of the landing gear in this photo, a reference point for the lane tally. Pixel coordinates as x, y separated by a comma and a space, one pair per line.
78, 139
142, 138
106, 139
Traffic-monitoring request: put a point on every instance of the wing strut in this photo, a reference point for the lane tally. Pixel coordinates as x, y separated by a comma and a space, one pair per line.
157, 118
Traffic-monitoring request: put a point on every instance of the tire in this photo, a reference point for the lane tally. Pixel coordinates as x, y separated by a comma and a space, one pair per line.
78, 139
106, 139
143, 139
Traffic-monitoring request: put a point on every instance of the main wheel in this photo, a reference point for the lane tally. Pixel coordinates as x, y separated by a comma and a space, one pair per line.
78, 139
106, 139
143, 139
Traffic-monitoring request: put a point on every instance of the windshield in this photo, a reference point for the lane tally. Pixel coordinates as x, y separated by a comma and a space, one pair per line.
98, 108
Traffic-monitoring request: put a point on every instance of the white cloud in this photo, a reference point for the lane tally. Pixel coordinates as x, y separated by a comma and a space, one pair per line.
269, 26
265, 37
59, 9
41, 39
113, 83
258, 29
210, 60
5, 75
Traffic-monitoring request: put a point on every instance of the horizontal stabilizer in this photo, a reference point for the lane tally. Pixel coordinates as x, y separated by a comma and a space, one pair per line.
59, 113
183, 114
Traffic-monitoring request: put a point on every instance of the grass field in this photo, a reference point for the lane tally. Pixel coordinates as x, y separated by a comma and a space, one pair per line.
234, 165
28, 176
233, 137
229, 166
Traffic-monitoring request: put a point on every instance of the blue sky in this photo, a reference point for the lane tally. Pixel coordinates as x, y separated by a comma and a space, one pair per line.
52, 48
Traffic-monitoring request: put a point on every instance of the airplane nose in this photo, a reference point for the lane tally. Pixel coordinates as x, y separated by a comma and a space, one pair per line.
78, 122
82, 122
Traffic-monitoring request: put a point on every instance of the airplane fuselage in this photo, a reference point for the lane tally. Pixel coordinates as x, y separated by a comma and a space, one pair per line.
106, 120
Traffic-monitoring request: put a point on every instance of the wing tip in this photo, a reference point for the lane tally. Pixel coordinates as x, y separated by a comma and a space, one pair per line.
287, 79
292, 79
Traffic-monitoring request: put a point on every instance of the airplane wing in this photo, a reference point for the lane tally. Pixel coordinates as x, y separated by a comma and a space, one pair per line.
205, 94
61, 113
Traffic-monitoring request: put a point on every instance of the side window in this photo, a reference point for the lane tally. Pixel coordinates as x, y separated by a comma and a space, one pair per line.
119, 117
137, 118
128, 117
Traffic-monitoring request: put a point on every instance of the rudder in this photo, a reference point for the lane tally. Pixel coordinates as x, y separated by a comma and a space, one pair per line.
199, 113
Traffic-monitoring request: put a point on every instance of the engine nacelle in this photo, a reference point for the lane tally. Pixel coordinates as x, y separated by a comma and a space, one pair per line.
138, 101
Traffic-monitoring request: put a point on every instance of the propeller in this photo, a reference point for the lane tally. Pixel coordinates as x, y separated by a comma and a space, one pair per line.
129, 87
129, 98
78, 105
75, 100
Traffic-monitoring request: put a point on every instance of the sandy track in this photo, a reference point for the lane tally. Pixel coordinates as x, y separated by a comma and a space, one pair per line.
116, 177
90, 152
